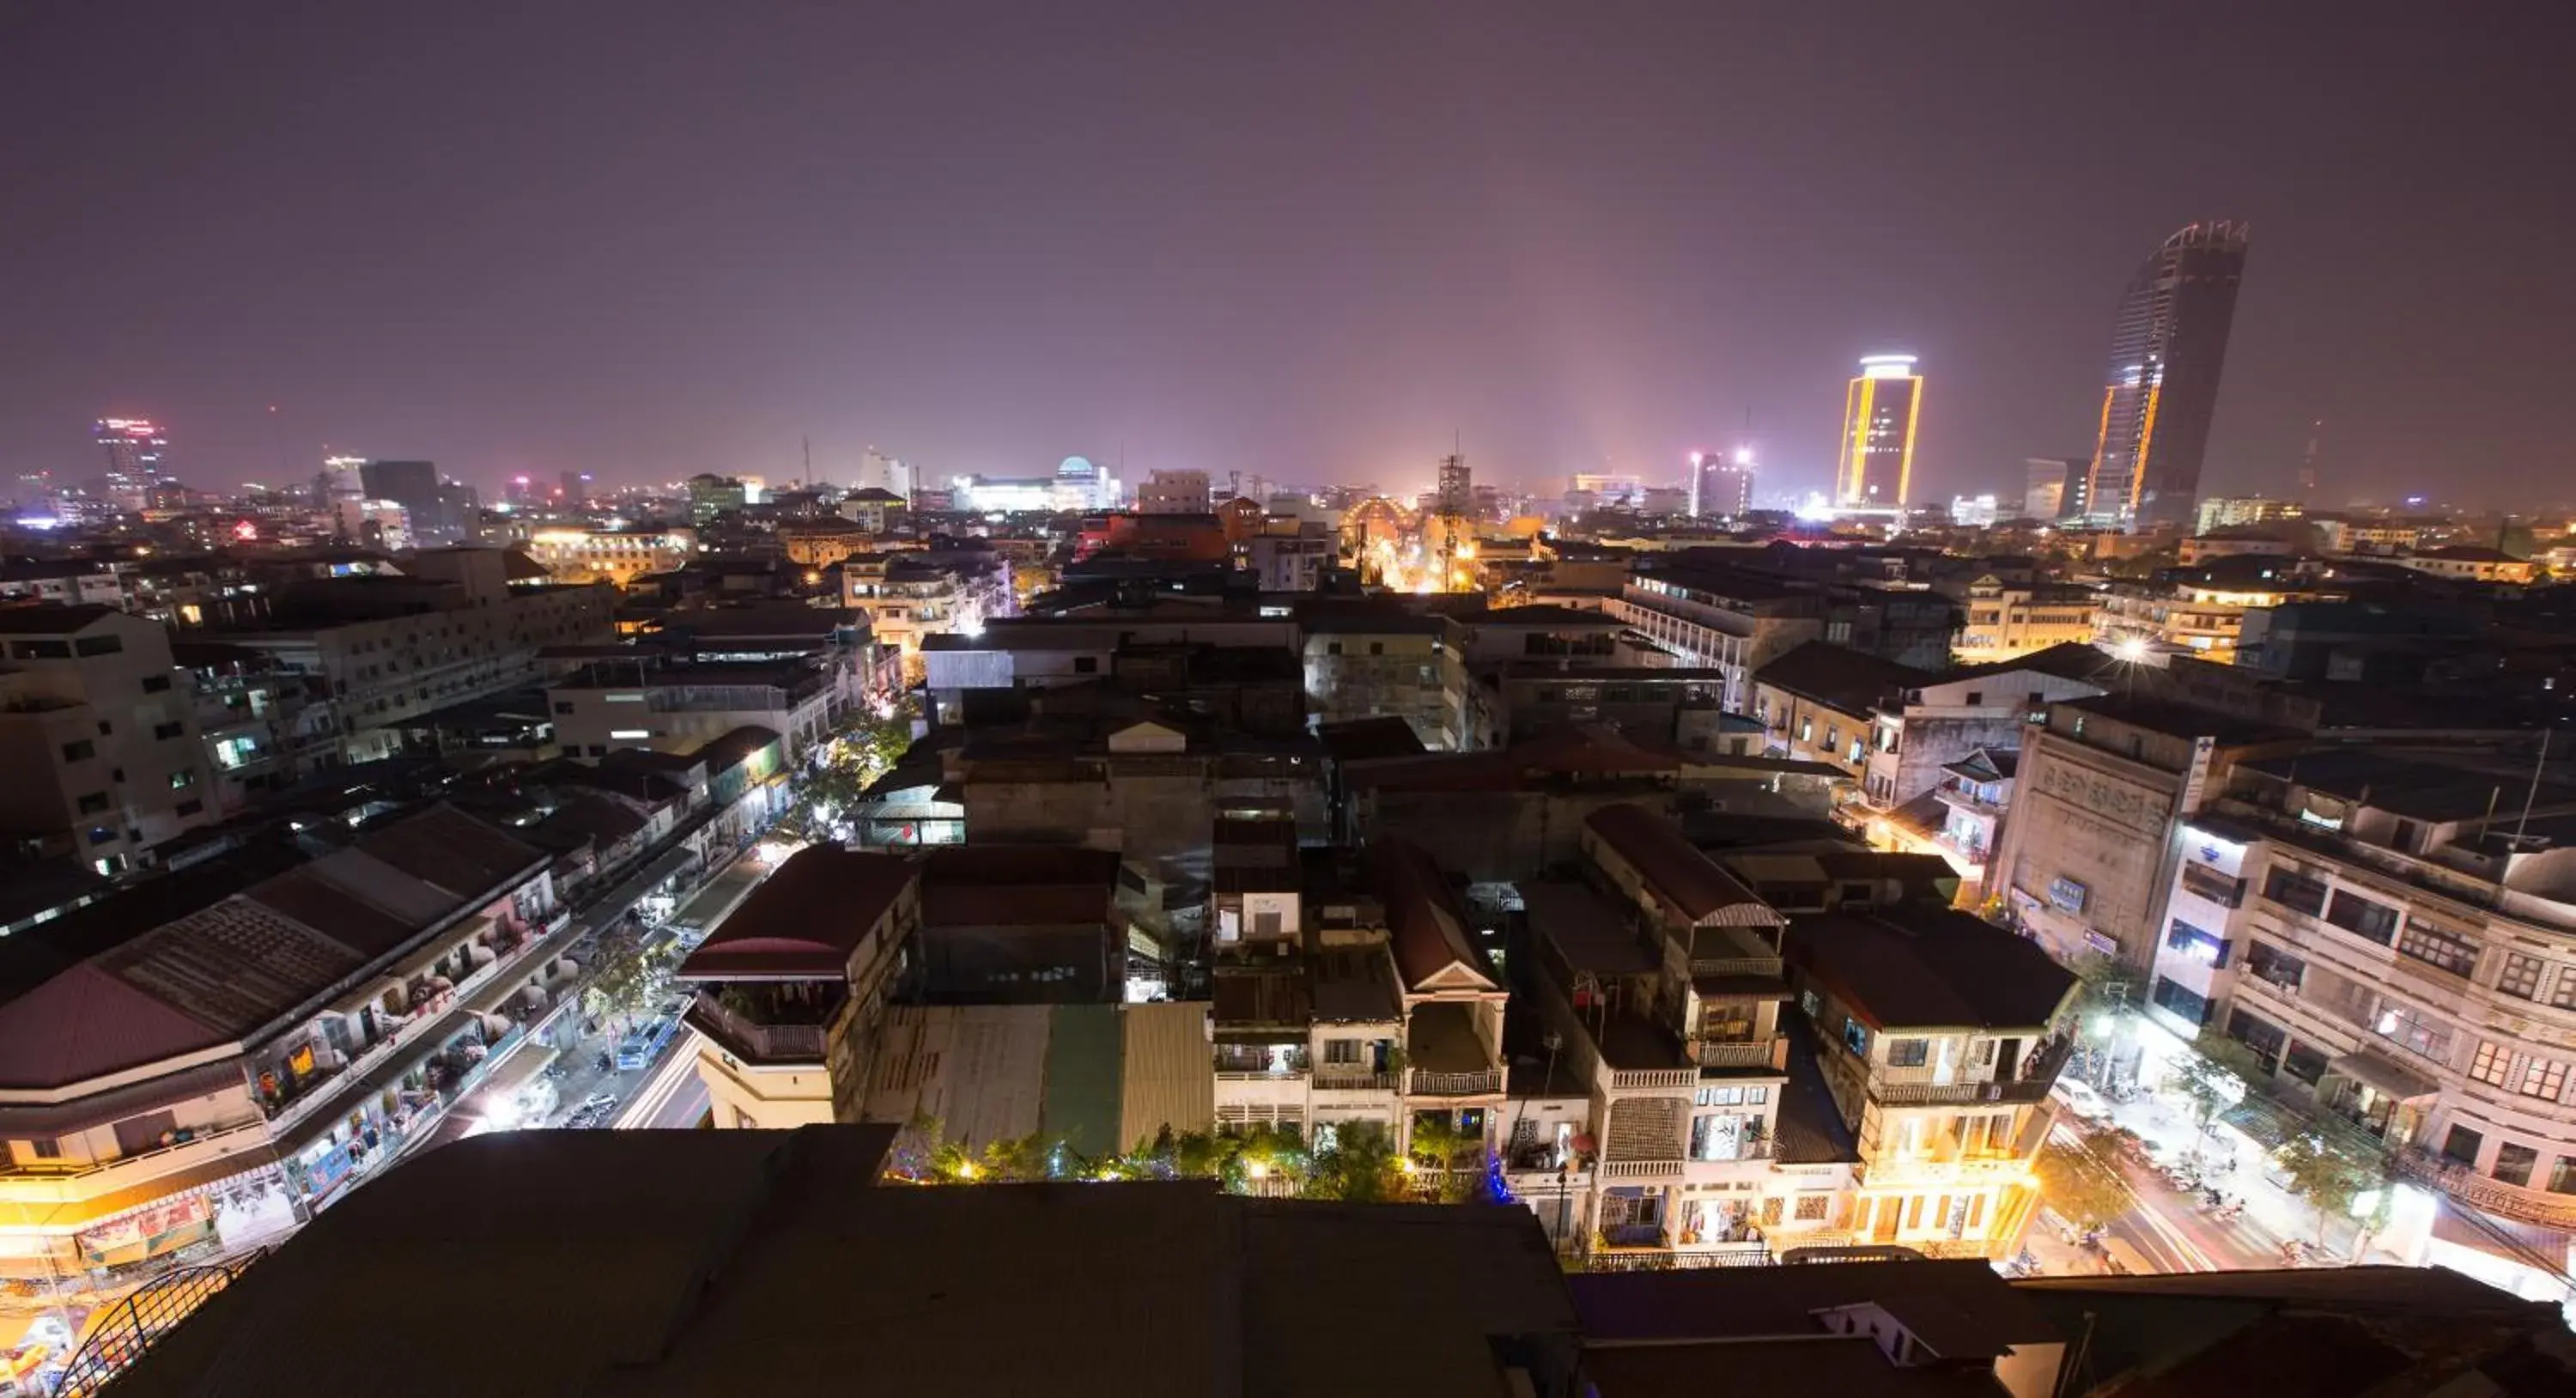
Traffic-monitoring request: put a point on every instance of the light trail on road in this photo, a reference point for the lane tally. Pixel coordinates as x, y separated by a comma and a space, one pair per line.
677, 1074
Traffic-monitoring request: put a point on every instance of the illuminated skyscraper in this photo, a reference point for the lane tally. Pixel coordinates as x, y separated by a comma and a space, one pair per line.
2167, 346
133, 449
1457, 489
1880, 408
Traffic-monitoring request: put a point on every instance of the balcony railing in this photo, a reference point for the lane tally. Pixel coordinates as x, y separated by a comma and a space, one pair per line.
1330, 1078
1475, 1084
1641, 1169
1633, 1079
87, 1179
748, 1038
1736, 966
1749, 1053
2491, 1195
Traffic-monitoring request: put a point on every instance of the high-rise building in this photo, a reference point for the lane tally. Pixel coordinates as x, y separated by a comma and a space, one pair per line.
576, 488
1173, 493
2167, 346
1721, 486
133, 447
1457, 489
1880, 408
2057, 487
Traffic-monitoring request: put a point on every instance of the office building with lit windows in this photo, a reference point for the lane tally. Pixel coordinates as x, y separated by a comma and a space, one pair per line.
1880, 409
133, 448
2167, 346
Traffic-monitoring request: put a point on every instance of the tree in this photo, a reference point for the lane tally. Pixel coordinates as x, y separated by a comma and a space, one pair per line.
1440, 1145
1359, 1167
2211, 1079
2331, 1180
2102, 988
623, 979
2083, 1188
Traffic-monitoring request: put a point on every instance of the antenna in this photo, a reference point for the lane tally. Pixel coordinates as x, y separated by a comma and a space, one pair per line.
808, 478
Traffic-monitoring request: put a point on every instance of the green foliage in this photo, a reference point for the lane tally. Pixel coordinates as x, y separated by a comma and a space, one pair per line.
2082, 1187
2212, 1079
865, 749
624, 979
2331, 1178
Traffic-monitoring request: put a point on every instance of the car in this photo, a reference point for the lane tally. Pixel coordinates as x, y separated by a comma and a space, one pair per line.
2082, 1100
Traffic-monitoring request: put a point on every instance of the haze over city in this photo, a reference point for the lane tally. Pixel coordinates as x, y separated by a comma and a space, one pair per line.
649, 240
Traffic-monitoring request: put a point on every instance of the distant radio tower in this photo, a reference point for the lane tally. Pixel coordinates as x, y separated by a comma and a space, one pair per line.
2308, 463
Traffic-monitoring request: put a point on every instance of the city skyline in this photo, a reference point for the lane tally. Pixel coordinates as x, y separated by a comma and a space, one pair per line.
1563, 249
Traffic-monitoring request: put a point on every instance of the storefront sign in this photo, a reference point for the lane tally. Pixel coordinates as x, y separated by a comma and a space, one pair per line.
152, 1229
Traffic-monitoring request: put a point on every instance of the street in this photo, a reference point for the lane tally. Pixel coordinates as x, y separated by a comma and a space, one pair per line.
2171, 1229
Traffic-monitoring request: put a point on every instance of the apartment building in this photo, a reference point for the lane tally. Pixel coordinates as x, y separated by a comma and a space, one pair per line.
1939, 1035
1380, 662
2470, 563
912, 594
615, 556
2101, 795
1820, 703
2199, 611
674, 705
1661, 977
381, 649
100, 736
2009, 620
2396, 942
223, 1050
789, 988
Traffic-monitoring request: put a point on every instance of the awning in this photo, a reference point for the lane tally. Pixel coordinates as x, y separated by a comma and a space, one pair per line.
2384, 1076
2525, 1244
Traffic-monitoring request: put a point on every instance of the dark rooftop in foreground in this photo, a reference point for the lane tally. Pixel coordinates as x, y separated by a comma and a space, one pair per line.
770, 1265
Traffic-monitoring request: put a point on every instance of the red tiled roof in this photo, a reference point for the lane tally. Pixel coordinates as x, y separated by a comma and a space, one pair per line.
86, 1023
1426, 928
1691, 883
805, 919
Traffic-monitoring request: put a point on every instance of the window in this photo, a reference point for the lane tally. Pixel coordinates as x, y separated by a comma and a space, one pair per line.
1811, 1207
165, 731
1086, 664
2522, 974
1908, 1053
563, 706
2562, 1175
2438, 946
1855, 1036
2462, 1145
2206, 948
1332, 648
2488, 1065
182, 779
46, 1148
2361, 917
2563, 995
97, 645
2295, 891
2416, 1031
2542, 1078
93, 803
1730, 1096
79, 750
2265, 1038
189, 808
2181, 1000
156, 684
2514, 1162
106, 729
2275, 966
2205, 882
2305, 1063
1342, 1051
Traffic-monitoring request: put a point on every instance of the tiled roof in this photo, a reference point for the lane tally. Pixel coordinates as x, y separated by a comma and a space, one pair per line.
1932, 969
1688, 881
1847, 680
1426, 927
805, 919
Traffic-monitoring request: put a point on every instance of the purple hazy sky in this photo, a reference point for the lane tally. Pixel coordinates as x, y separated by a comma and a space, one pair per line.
1307, 241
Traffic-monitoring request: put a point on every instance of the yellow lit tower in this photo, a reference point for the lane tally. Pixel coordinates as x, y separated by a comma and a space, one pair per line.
1877, 456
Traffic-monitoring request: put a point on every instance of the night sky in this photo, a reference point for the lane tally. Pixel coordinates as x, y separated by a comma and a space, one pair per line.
1308, 241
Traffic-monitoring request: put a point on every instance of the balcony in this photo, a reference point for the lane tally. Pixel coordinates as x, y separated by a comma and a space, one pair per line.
1641, 1171
1344, 1077
2489, 1195
2039, 1073
1748, 1053
748, 1032
1649, 1079
1482, 1082
38, 1185
1767, 967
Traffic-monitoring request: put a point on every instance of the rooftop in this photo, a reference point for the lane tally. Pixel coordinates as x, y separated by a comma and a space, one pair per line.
772, 1267
1017, 886
1846, 680
1690, 883
1934, 968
